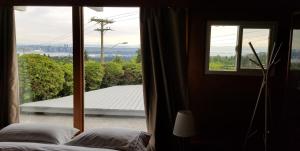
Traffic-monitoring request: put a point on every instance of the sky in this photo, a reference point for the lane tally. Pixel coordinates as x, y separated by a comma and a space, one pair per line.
53, 25
296, 39
224, 40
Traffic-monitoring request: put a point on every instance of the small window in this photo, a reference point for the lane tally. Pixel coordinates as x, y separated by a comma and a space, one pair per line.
222, 53
228, 48
260, 40
295, 56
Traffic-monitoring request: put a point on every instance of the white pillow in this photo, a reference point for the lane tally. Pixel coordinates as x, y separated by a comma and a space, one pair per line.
38, 133
112, 138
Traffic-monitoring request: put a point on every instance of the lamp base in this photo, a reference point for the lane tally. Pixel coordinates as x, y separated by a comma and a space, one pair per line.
184, 141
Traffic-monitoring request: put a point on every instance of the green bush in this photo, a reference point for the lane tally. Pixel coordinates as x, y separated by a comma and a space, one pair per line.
226, 63
139, 56
40, 78
94, 73
113, 74
132, 73
118, 59
68, 76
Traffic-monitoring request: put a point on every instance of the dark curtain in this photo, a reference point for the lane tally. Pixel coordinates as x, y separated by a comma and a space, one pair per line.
9, 102
163, 38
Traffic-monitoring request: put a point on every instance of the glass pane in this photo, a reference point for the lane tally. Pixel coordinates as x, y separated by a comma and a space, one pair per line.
222, 53
295, 56
44, 48
260, 41
113, 74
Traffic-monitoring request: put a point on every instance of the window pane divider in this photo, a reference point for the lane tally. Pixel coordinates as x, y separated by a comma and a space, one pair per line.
239, 48
78, 56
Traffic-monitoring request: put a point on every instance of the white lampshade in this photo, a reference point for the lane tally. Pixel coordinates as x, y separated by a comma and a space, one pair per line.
184, 124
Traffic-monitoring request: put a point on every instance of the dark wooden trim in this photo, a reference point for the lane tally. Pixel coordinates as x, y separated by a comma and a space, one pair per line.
106, 3
45, 2
204, 5
187, 21
78, 67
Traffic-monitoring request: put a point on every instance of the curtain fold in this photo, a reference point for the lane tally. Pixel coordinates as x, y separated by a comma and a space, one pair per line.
9, 94
163, 41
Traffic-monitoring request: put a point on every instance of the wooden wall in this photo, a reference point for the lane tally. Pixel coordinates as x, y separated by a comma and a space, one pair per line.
223, 103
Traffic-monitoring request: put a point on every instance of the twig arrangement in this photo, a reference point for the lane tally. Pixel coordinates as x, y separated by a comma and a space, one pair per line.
263, 88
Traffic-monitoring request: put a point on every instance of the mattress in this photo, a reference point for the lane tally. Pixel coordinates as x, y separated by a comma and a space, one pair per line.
22, 146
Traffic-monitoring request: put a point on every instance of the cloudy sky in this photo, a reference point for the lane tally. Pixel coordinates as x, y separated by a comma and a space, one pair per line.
53, 25
227, 36
296, 39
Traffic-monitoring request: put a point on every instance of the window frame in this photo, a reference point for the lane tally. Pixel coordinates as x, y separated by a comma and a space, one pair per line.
271, 25
291, 50
78, 47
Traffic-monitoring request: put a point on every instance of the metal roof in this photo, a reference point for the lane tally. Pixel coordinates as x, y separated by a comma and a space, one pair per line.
125, 100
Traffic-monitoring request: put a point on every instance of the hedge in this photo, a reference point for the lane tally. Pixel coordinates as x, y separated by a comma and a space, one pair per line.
43, 77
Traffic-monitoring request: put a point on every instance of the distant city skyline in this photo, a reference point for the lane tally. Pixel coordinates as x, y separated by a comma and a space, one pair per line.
53, 25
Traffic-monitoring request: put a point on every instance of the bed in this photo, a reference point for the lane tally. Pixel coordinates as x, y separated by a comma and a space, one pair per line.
45, 137
25, 146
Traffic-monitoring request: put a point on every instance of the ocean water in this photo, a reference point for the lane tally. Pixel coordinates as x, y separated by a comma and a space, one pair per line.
93, 52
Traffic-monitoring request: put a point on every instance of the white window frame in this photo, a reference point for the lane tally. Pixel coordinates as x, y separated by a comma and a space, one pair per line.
272, 26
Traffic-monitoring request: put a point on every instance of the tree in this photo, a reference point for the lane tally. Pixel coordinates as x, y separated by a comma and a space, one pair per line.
118, 59
94, 73
227, 63
86, 56
132, 73
40, 78
113, 74
138, 56
68, 76
246, 63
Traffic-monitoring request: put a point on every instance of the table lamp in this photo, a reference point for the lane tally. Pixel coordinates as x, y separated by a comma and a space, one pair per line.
184, 127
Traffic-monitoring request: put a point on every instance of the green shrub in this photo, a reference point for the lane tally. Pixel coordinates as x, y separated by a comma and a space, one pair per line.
118, 59
113, 74
139, 56
40, 78
132, 73
94, 73
68, 76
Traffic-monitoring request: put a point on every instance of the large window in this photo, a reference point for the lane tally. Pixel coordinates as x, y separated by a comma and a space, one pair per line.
112, 66
50, 89
228, 50
45, 53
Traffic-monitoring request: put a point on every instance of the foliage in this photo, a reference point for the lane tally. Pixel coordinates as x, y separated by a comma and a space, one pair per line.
40, 77
226, 63
86, 56
68, 76
43, 77
118, 59
132, 73
94, 73
218, 66
63, 60
139, 56
113, 74
295, 66
246, 63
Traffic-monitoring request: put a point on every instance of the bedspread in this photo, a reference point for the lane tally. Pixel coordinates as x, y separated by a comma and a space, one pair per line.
22, 146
